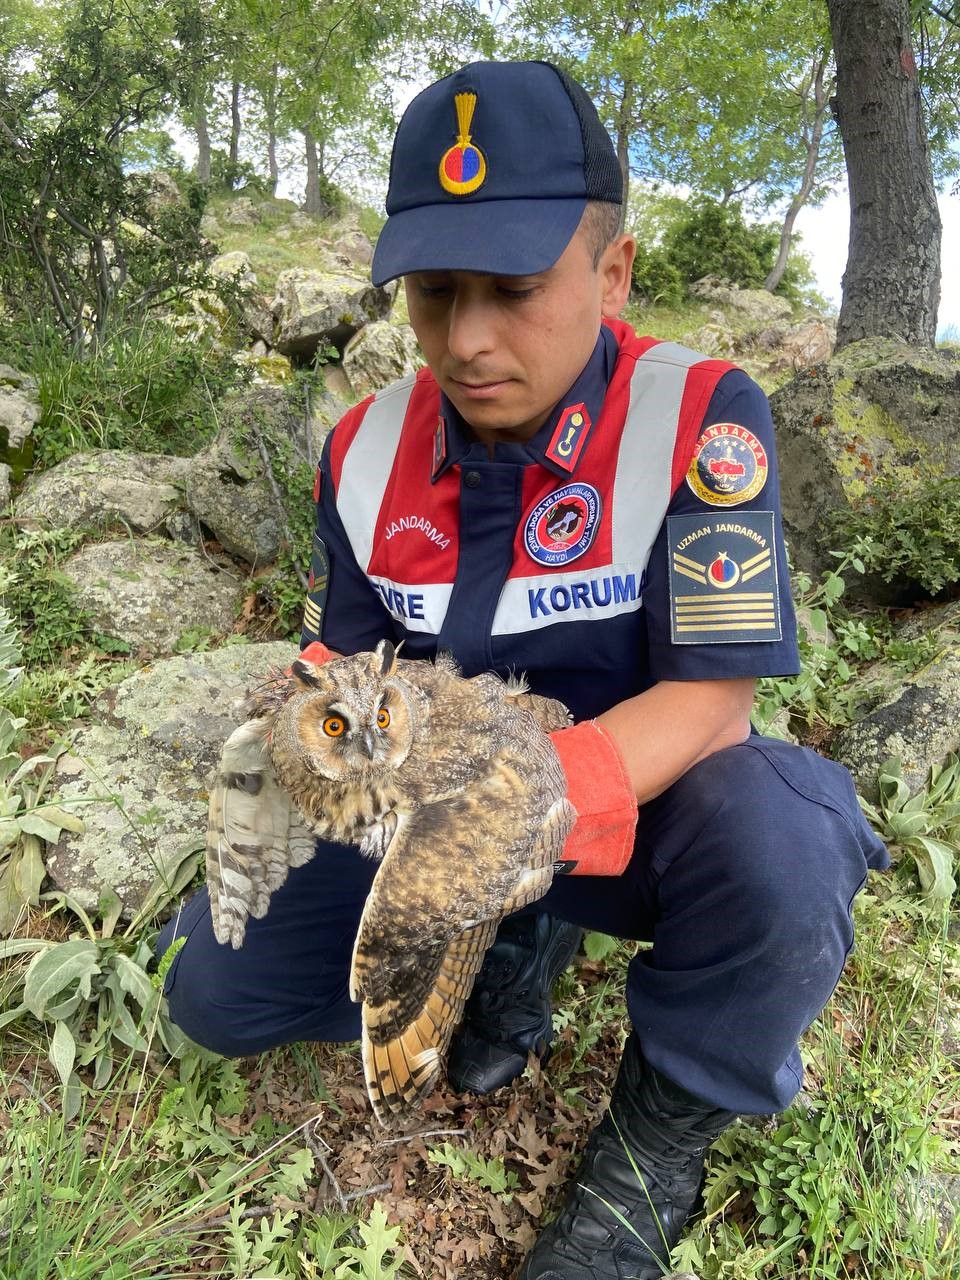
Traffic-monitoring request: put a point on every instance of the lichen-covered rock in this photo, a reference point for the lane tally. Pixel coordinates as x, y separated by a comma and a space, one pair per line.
19, 406
147, 593
315, 309
235, 266
354, 246
876, 409
227, 487
141, 764
916, 718
760, 307
240, 212
4, 486
380, 354
257, 316
105, 486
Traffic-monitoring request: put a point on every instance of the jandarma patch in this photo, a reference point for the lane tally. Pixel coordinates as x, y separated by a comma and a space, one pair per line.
463, 167
318, 584
729, 465
561, 527
723, 579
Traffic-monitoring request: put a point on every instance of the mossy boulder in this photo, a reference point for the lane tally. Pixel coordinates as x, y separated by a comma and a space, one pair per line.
378, 355
140, 769
317, 309
915, 718
876, 409
147, 593
105, 486
19, 406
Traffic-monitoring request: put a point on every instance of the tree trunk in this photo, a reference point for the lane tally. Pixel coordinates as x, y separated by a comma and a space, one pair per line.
312, 203
203, 143
270, 104
820, 108
891, 287
623, 139
234, 124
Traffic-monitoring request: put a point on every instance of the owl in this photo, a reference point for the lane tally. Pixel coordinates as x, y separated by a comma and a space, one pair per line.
451, 783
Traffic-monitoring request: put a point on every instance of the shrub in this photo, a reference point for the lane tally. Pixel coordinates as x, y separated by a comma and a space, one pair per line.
710, 239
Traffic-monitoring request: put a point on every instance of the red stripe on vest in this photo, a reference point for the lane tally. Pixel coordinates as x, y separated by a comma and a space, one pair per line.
416, 539
700, 385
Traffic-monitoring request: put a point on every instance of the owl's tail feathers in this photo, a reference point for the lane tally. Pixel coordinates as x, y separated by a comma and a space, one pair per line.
402, 1067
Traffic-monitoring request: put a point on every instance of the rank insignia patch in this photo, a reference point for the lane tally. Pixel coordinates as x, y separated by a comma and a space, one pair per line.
318, 585
729, 465
568, 440
723, 579
463, 167
439, 448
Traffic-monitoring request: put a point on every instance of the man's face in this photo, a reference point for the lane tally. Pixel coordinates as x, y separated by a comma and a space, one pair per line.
506, 348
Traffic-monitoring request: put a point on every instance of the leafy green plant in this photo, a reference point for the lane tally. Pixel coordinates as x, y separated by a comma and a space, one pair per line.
490, 1174
831, 644
908, 530
926, 825
41, 601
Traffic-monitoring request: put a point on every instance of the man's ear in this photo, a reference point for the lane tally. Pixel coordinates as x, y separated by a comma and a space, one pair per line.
615, 267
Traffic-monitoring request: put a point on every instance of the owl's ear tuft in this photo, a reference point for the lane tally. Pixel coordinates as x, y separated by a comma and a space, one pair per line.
304, 674
388, 658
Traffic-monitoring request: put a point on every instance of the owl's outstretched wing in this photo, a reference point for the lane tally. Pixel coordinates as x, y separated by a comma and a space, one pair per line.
254, 833
453, 870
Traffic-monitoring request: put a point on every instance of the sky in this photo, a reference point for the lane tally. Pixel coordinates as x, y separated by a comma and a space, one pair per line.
825, 234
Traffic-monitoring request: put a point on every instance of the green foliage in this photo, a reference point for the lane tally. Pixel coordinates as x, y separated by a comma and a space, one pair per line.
146, 387
710, 239
656, 279
40, 599
927, 825
908, 530
490, 1174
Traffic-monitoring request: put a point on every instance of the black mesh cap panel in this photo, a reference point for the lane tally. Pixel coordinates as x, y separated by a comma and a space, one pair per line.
601, 168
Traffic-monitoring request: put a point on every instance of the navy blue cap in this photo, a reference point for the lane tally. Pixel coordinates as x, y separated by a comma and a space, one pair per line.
492, 168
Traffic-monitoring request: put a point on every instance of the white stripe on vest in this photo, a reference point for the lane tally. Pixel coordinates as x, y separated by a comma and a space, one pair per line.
641, 496
367, 466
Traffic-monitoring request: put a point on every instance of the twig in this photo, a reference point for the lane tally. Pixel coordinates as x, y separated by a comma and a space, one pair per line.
317, 1146
16, 1078
423, 1133
368, 1191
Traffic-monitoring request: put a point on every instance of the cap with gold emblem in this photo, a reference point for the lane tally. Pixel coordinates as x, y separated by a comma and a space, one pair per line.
491, 171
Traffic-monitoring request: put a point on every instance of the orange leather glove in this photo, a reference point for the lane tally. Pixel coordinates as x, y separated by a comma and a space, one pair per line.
317, 653
602, 839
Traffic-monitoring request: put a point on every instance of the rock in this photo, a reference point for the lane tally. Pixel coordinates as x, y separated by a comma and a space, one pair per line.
227, 488
260, 349
147, 593
142, 762
354, 246
140, 490
317, 309
380, 354
234, 266
4, 486
760, 307
19, 406
805, 344
163, 191
240, 212
932, 1197
916, 718
876, 409
210, 227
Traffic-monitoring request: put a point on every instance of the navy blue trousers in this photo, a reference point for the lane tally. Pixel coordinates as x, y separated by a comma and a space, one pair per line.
743, 878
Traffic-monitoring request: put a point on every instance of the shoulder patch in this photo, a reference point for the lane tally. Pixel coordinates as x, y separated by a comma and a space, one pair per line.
723, 579
729, 465
318, 585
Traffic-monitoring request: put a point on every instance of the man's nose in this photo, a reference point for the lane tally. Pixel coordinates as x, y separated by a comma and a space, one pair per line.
471, 331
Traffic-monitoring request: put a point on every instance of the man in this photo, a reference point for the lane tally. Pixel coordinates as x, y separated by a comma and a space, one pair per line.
557, 496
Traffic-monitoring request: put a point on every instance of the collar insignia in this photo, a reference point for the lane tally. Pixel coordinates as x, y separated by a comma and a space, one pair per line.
439, 448
568, 440
463, 166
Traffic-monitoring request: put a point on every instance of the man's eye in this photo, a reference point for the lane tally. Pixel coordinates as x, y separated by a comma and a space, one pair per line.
433, 290
515, 295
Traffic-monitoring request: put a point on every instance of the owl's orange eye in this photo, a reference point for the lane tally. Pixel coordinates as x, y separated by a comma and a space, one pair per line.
383, 718
333, 726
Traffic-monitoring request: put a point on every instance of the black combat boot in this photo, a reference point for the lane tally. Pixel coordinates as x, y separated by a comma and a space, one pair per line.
509, 1014
645, 1161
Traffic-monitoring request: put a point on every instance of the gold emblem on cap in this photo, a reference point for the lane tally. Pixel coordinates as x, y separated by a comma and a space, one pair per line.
464, 155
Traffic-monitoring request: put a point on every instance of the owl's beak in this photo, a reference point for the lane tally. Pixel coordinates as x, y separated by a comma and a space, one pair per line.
368, 742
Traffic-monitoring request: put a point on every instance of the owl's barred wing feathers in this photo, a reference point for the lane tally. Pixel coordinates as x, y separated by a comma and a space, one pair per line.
254, 833
453, 870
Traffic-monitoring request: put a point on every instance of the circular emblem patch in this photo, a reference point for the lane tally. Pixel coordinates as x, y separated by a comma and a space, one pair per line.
729, 465
723, 572
561, 527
